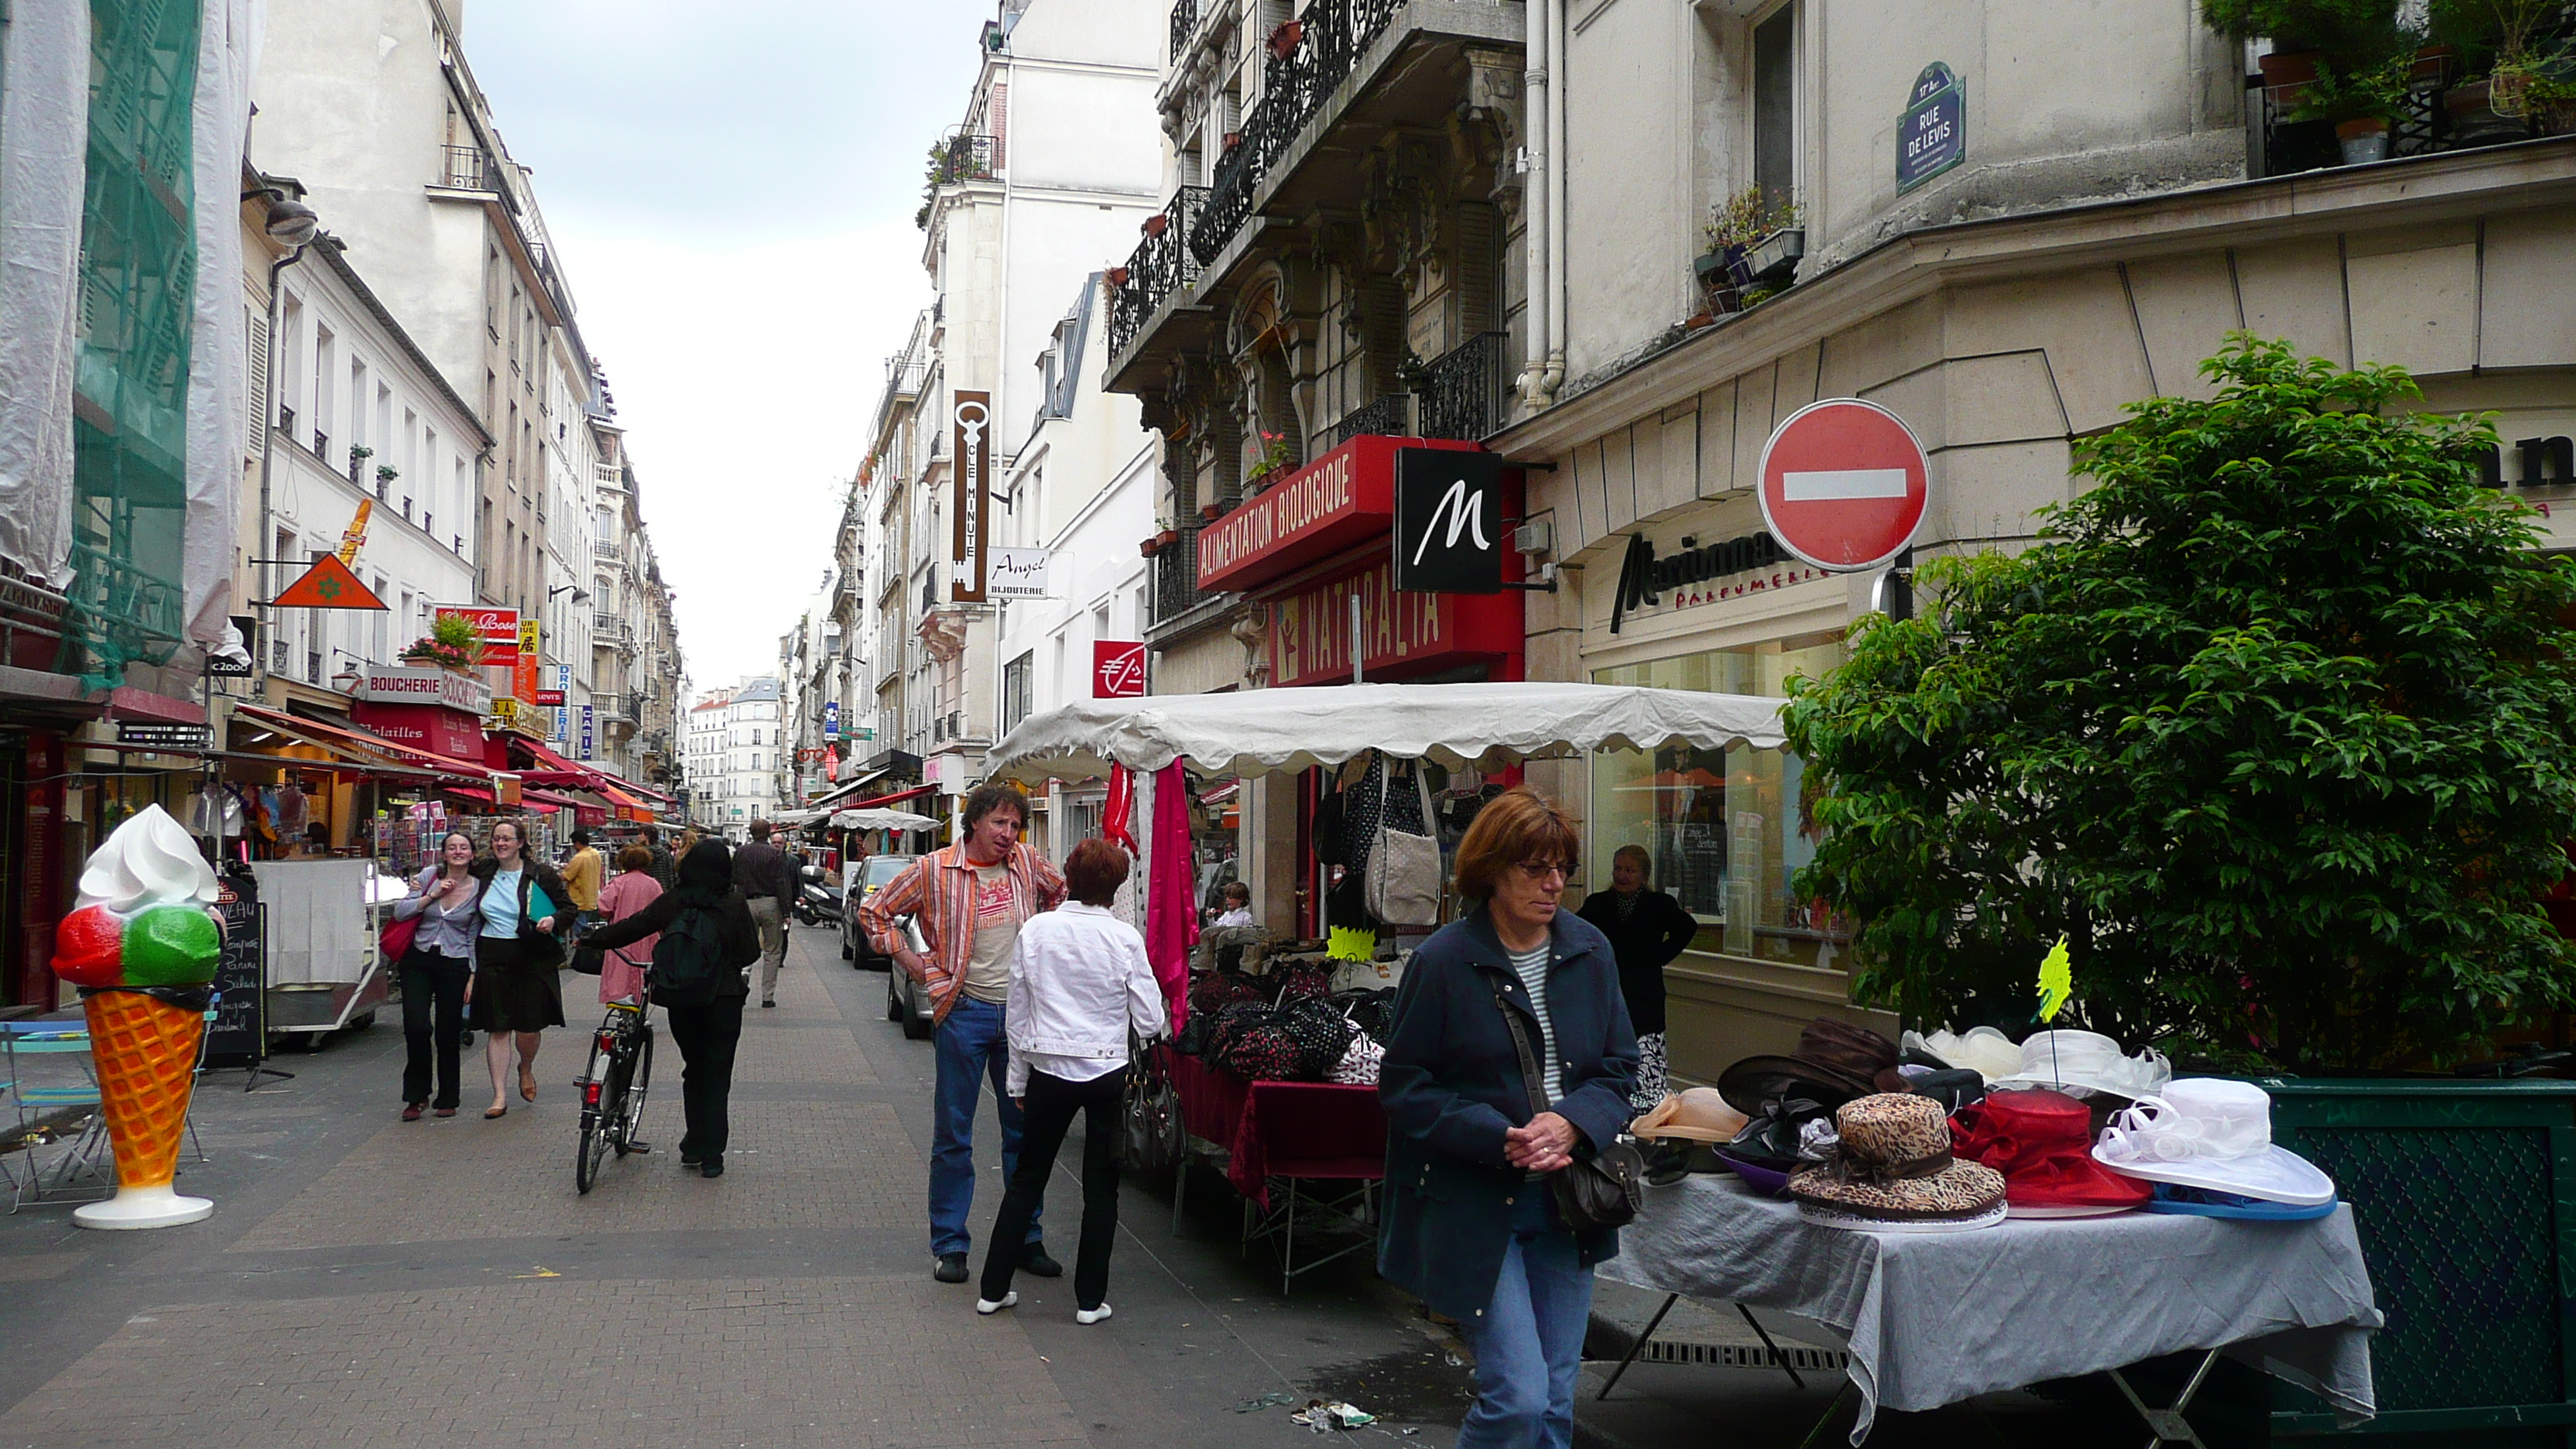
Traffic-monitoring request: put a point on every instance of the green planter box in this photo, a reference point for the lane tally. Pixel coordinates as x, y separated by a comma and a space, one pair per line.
2465, 1196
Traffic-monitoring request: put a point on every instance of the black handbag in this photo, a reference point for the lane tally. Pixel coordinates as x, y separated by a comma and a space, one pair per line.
1151, 1135
1596, 1193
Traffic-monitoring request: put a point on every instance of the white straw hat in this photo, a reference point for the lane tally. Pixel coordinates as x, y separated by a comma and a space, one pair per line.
2213, 1134
2086, 1061
1983, 1050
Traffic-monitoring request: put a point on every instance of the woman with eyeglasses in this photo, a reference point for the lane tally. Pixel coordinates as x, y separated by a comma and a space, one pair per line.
517, 990
1470, 1223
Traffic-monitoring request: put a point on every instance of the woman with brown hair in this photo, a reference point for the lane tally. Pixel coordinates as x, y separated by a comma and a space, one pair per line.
1471, 1224
1079, 983
517, 990
629, 892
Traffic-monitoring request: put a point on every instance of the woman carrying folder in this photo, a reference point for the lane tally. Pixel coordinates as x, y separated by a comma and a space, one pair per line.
517, 990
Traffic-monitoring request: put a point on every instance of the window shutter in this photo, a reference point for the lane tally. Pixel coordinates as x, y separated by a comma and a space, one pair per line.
255, 363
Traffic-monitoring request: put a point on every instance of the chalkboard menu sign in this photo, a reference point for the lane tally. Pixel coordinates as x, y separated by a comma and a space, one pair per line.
239, 1033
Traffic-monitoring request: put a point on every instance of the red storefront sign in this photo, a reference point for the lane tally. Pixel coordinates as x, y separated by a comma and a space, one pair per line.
1402, 635
499, 629
1343, 498
1117, 669
449, 732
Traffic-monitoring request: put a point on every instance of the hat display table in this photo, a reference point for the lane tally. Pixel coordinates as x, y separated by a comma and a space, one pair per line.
1935, 1318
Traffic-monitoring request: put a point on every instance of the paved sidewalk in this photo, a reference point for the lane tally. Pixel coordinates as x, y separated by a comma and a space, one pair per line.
370, 1282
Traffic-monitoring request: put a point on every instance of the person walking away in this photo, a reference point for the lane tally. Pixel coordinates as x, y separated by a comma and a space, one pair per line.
1648, 929
703, 915
517, 990
970, 900
435, 973
665, 865
1470, 1224
1079, 984
632, 890
581, 877
762, 873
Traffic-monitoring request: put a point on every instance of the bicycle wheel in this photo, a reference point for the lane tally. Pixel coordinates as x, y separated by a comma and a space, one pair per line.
595, 1124
630, 1115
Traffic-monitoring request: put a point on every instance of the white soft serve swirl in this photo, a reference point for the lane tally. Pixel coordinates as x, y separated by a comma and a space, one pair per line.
150, 860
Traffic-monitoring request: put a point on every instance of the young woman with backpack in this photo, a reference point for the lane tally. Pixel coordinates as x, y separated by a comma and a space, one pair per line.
707, 940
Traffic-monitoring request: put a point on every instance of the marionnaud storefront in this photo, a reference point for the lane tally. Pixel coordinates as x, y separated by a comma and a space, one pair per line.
1998, 343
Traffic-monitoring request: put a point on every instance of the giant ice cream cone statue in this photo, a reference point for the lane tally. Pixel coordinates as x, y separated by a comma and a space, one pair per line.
142, 946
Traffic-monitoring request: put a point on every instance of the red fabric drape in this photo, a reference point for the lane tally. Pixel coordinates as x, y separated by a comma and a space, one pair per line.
1171, 904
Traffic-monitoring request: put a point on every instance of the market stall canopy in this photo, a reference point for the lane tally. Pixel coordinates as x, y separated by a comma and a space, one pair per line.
1286, 730
880, 820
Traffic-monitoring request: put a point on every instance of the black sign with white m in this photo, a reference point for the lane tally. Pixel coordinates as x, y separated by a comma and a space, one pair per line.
1448, 522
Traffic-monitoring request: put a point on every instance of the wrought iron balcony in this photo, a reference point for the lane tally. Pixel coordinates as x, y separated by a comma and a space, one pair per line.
1315, 54
467, 168
1176, 578
1465, 393
1185, 18
1162, 264
967, 158
1388, 417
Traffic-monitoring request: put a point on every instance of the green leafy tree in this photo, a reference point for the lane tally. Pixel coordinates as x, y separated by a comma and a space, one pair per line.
2274, 723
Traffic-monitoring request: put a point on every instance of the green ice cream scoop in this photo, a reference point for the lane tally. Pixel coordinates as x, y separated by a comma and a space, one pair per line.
171, 946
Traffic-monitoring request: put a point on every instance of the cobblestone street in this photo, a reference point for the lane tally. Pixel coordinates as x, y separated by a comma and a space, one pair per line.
369, 1282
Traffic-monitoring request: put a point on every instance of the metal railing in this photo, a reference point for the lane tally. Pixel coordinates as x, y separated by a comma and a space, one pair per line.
466, 168
1176, 578
1388, 417
1329, 37
611, 629
1464, 393
603, 548
967, 158
1185, 18
1162, 264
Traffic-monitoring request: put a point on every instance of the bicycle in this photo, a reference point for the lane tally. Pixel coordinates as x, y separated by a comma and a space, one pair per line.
614, 1086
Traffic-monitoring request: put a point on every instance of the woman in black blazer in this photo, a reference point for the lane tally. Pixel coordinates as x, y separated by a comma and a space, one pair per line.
1470, 1222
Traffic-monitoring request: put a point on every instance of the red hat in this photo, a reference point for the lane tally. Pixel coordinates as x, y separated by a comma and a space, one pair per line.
2041, 1141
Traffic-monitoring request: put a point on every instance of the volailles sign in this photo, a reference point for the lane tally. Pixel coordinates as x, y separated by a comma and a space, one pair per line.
1644, 578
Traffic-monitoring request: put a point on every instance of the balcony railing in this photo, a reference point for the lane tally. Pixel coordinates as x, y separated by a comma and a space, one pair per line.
1464, 393
467, 168
1389, 417
1163, 263
1331, 35
1176, 578
611, 629
603, 548
1185, 18
967, 158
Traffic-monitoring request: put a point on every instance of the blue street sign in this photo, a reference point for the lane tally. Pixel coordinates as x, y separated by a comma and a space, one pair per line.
1933, 137
831, 719
588, 714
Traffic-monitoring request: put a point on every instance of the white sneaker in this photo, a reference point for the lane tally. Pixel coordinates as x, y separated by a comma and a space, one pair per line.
987, 1305
1089, 1315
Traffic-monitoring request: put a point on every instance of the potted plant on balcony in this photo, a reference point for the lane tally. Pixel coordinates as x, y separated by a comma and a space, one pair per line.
2201, 731
1272, 458
1284, 39
1118, 276
1752, 239
2360, 102
1151, 546
452, 643
1157, 224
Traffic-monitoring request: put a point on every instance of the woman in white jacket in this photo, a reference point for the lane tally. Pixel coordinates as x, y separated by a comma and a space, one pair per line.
1079, 981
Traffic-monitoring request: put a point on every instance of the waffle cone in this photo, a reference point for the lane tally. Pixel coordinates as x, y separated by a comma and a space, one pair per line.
146, 1051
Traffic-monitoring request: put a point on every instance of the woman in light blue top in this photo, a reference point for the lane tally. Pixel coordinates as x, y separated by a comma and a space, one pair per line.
518, 960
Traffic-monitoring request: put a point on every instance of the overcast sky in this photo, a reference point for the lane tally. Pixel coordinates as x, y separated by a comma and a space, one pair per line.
731, 189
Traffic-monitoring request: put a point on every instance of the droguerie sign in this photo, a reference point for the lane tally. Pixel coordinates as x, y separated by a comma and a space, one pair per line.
1343, 498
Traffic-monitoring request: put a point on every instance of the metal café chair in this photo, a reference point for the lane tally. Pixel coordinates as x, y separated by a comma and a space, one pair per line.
38, 1101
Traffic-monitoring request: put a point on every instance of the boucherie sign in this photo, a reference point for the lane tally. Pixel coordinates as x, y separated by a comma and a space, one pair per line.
1343, 498
389, 684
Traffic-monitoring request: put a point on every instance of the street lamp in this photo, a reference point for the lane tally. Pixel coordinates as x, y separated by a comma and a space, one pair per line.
291, 223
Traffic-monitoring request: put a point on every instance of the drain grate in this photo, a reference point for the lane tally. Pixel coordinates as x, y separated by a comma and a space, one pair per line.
1745, 1355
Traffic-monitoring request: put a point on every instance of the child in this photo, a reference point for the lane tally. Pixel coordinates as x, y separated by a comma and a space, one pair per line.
1238, 905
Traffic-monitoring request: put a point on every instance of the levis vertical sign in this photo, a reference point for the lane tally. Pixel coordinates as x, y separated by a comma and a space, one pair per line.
970, 416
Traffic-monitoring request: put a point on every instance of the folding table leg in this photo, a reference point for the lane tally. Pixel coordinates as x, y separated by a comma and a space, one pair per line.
1830, 1410
1180, 1189
1638, 1346
1777, 1356
2168, 1425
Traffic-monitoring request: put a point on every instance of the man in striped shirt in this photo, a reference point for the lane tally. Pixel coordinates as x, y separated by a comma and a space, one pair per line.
969, 900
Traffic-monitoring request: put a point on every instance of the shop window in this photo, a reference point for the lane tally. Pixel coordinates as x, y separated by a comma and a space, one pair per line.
1775, 105
1723, 826
1015, 692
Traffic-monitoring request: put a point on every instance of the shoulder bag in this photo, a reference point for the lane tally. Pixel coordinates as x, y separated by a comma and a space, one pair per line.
1151, 1134
1403, 873
1599, 1192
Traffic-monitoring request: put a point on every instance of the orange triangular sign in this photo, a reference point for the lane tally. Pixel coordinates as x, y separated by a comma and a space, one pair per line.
327, 585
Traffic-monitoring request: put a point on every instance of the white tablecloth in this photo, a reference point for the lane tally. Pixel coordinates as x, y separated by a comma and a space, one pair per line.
1933, 1318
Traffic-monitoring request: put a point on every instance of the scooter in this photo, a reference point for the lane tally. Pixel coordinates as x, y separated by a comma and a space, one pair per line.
815, 905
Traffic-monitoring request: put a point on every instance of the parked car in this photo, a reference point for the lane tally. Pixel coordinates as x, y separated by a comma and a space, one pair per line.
907, 1000
859, 884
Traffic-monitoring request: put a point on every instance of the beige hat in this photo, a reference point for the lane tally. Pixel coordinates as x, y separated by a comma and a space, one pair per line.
1697, 1115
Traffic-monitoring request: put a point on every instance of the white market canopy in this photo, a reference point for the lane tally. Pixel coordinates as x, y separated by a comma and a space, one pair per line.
1253, 732
880, 819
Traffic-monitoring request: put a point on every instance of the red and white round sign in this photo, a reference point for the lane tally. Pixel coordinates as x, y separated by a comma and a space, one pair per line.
1844, 484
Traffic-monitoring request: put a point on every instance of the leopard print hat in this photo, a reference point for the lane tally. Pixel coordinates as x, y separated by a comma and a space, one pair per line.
1893, 1165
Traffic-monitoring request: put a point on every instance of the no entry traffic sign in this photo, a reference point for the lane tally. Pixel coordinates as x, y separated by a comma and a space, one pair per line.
1844, 484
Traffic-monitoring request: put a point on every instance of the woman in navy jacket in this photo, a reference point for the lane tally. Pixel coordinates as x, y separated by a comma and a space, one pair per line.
1470, 1223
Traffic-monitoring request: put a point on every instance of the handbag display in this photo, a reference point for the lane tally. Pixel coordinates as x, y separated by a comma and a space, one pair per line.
1602, 1191
1151, 1136
1403, 872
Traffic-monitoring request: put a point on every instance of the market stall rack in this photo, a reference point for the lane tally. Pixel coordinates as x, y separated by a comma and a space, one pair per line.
1486, 727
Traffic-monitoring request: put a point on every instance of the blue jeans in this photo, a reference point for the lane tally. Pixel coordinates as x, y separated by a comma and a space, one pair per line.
1529, 1343
970, 1048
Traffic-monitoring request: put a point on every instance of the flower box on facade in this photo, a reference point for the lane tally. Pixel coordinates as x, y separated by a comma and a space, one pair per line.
1157, 224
